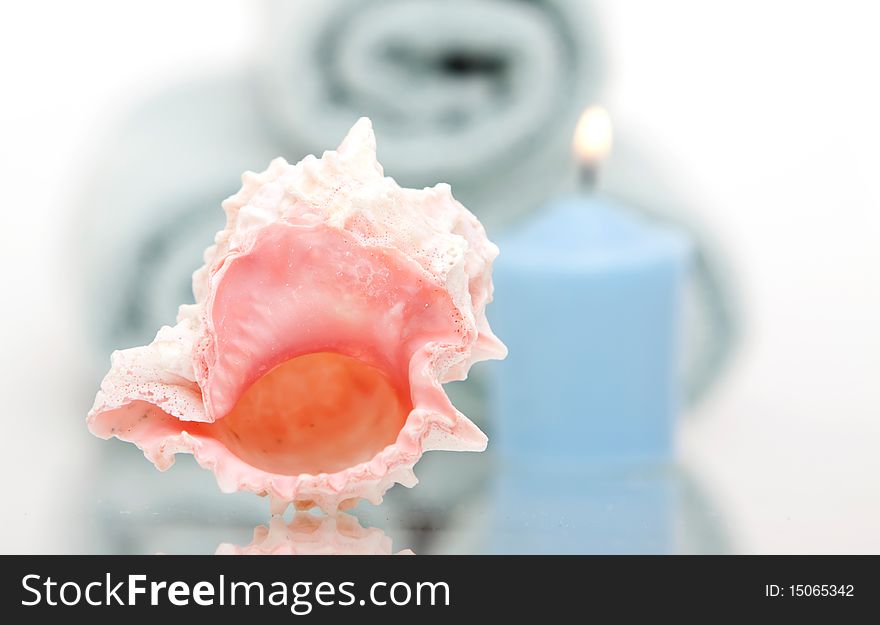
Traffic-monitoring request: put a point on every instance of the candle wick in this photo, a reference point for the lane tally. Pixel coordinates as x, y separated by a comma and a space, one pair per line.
588, 176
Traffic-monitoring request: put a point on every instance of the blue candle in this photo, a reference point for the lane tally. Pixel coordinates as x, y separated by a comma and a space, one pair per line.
588, 300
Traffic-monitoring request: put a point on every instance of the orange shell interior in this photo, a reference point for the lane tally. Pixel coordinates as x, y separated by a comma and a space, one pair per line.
315, 413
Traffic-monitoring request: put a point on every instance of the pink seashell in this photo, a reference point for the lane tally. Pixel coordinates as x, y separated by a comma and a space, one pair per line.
308, 534
328, 313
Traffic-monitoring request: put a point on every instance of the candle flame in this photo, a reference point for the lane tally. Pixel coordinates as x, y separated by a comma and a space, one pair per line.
592, 136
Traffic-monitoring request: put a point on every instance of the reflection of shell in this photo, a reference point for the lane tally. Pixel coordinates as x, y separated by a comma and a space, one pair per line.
328, 313
308, 534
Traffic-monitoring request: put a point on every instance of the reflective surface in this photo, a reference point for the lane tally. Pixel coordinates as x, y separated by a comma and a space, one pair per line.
598, 509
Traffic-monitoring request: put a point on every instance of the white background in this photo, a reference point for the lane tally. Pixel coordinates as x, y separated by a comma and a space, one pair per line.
767, 111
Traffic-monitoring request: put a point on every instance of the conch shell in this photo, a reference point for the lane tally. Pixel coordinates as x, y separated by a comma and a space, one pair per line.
327, 316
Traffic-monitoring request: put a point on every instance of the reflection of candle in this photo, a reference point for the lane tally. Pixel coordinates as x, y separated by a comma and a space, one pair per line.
588, 299
588, 302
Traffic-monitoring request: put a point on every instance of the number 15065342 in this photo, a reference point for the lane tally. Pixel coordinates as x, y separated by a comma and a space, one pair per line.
809, 590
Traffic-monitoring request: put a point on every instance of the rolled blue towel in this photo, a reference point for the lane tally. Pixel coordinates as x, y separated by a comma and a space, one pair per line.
482, 94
